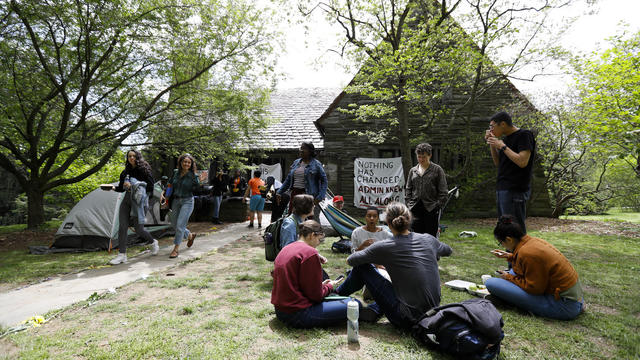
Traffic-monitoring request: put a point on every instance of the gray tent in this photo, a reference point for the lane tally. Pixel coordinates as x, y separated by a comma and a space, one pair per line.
93, 221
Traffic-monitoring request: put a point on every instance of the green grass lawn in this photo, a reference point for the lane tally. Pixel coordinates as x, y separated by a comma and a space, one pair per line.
218, 307
19, 267
611, 215
49, 225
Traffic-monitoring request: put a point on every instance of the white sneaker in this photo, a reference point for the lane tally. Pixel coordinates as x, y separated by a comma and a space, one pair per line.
155, 247
120, 259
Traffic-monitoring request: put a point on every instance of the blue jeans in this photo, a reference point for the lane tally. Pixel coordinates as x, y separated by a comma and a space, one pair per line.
323, 314
217, 200
513, 203
181, 210
541, 305
382, 291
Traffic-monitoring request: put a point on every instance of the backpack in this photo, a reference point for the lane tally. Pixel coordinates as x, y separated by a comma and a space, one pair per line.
341, 246
271, 238
471, 329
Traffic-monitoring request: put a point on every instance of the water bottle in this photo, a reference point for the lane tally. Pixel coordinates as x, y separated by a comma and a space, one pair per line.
352, 321
126, 180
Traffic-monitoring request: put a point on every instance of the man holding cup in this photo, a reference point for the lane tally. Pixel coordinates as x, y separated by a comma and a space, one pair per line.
513, 152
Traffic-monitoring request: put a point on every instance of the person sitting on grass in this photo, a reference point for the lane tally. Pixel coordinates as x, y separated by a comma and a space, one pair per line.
289, 230
302, 209
363, 236
541, 280
412, 262
298, 288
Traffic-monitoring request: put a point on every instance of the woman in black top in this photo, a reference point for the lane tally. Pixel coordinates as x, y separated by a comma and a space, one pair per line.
135, 167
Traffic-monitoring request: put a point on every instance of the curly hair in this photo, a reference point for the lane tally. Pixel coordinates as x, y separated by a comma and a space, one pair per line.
140, 162
398, 216
193, 167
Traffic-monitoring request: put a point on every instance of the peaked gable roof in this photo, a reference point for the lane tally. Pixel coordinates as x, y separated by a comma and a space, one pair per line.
295, 112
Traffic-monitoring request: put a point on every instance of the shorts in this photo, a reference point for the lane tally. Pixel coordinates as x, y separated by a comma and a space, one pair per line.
256, 203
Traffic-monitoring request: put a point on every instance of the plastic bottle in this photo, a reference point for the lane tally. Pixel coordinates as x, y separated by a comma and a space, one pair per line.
352, 321
126, 180
168, 191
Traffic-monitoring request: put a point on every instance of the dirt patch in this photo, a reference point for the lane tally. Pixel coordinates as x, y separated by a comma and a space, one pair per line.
592, 227
21, 240
8, 348
602, 309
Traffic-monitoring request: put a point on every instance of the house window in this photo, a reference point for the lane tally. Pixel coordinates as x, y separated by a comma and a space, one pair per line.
388, 153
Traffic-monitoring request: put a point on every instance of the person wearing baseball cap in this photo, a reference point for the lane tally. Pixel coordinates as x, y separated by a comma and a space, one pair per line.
338, 202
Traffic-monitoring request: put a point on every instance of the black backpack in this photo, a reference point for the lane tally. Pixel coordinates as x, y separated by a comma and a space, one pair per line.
271, 238
341, 246
471, 329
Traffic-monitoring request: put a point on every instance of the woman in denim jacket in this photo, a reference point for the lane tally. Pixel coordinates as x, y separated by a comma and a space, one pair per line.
306, 176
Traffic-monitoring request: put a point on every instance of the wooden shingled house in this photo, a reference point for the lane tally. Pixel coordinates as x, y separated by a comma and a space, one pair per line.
477, 194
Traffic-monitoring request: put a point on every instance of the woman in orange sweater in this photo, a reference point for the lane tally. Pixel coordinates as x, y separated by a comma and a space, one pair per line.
542, 281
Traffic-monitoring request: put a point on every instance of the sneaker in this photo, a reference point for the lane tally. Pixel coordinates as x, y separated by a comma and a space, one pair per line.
155, 247
120, 259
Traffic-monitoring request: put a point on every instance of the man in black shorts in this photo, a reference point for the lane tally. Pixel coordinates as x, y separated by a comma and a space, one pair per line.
514, 156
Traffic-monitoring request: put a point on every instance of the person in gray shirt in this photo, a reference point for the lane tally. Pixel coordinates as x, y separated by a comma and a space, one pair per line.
412, 262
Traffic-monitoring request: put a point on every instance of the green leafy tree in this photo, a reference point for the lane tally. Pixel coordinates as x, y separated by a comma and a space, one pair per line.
608, 84
576, 173
82, 78
416, 56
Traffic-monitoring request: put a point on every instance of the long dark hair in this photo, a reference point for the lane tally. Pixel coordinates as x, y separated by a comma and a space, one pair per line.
508, 226
193, 167
140, 162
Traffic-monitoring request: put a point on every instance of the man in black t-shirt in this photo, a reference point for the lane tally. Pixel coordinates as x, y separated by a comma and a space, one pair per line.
514, 156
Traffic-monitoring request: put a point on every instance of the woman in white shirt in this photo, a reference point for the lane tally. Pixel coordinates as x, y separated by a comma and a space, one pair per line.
368, 234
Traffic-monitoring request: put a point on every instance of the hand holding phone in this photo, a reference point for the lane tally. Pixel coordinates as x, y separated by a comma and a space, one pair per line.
500, 253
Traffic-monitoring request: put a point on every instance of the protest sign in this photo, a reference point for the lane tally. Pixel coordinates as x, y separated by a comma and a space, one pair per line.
377, 182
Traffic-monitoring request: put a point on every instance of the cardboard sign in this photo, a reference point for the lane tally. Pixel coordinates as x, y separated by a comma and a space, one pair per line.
377, 182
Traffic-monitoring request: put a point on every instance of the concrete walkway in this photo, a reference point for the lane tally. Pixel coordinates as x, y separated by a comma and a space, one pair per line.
38, 299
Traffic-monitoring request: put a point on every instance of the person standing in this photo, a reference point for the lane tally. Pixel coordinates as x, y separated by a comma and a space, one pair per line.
306, 176
425, 192
514, 156
135, 168
219, 187
256, 201
184, 181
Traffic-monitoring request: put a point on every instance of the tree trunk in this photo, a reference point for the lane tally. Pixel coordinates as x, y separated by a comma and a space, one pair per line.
35, 213
403, 131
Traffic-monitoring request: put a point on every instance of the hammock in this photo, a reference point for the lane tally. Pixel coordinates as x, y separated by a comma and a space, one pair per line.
340, 221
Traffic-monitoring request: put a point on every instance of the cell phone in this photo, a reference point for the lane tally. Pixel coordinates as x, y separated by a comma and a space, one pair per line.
500, 272
339, 278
